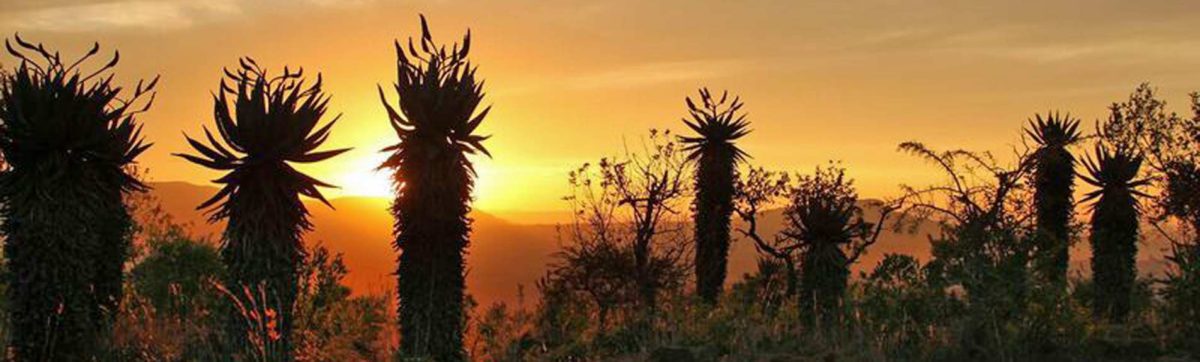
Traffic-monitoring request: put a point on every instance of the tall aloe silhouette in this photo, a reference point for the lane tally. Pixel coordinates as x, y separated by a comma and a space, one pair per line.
67, 138
270, 123
1054, 184
1114, 229
717, 125
438, 99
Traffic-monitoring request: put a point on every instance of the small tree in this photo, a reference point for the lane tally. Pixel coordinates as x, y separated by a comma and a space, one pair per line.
756, 190
626, 242
983, 246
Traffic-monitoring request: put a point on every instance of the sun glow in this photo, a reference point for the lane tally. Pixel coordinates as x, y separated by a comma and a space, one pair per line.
364, 179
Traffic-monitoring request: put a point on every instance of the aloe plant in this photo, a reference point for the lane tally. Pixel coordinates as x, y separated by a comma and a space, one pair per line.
717, 125
435, 121
68, 138
270, 123
1114, 227
1054, 186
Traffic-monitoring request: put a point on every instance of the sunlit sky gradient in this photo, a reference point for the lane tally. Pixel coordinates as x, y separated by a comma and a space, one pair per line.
572, 80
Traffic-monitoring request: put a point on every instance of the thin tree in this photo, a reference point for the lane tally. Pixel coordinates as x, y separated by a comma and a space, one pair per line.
433, 178
1053, 196
67, 139
717, 125
756, 190
270, 123
1114, 228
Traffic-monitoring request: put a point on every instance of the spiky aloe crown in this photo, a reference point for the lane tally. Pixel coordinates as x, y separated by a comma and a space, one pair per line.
438, 99
1113, 171
272, 124
716, 123
824, 205
53, 116
1054, 130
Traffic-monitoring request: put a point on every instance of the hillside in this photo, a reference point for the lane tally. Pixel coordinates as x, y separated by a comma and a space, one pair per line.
504, 254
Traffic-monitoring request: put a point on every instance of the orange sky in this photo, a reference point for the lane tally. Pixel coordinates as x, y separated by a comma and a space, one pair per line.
570, 80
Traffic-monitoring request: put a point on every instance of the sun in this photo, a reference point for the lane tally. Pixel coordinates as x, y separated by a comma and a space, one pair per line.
366, 179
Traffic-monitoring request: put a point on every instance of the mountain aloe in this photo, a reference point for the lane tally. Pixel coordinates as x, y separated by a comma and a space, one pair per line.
68, 139
1114, 228
717, 125
270, 123
1054, 184
435, 121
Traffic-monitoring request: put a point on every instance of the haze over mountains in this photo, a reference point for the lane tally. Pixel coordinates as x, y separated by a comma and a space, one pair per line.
504, 254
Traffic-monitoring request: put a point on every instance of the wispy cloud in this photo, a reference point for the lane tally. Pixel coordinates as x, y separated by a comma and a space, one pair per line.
648, 74
83, 16
122, 14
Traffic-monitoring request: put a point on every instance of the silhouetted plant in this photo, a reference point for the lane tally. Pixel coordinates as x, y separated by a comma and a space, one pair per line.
175, 273
756, 190
271, 122
436, 123
625, 243
717, 126
331, 323
984, 246
1053, 194
1170, 144
67, 140
905, 304
826, 225
1114, 228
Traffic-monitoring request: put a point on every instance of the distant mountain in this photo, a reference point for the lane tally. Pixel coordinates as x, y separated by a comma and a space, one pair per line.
501, 255
504, 253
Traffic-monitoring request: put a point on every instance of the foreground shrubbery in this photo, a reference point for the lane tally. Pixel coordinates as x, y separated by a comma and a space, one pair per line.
173, 311
898, 311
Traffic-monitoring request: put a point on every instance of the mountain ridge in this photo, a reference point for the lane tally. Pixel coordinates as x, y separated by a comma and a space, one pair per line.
504, 254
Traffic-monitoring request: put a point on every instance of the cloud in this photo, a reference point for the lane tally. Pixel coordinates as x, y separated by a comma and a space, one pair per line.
142, 14
642, 75
87, 16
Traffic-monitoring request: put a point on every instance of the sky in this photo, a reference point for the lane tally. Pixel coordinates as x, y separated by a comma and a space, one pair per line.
572, 81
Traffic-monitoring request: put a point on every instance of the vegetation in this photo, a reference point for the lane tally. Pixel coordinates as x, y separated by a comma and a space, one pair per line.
271, 122
1054, 187
1168, 143
67, 138
436, 123
1114, 228
626, 245
825, 224
757, 190
73, 217
717, 126
176, 308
